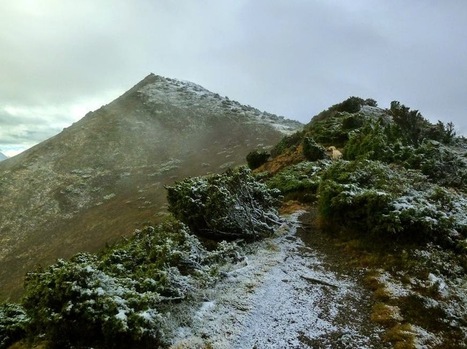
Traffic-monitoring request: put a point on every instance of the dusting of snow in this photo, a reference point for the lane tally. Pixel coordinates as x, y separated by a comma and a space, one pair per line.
373, 111
187, 95
424, 339
393, 287
281, 296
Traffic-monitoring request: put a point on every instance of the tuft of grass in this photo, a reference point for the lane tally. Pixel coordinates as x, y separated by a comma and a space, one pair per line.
386, 315
401, 336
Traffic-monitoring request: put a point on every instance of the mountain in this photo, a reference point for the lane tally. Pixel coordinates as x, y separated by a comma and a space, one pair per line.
373, 206
3, 156
104, 176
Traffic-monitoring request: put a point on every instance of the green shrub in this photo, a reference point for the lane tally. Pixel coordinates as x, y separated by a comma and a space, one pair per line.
76, 297
312, 150
412, 125
300, 181
390, 202
351, 105
227, 206
440, 163
330, 131
376, 141
353, 122
352, 206
370, 102
257, 158
13, 324
119, 299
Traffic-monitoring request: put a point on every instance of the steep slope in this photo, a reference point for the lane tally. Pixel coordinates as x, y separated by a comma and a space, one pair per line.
3, 156
105, 175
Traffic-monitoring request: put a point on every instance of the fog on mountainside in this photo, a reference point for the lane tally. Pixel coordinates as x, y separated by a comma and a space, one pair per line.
104, 176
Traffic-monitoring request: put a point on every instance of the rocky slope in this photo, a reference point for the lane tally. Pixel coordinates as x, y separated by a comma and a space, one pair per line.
104, 176
3, 156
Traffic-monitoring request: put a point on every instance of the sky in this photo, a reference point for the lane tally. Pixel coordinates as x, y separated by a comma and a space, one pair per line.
60, 59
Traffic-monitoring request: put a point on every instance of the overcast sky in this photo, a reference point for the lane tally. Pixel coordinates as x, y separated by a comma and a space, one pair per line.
60, 59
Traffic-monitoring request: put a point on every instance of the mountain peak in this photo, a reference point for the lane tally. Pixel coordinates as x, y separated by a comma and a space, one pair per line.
104, 176
160, 93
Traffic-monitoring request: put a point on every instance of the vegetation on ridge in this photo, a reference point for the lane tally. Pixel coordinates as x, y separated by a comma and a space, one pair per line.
396, 203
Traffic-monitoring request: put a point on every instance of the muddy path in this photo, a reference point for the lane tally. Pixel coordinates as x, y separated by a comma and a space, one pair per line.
292, 291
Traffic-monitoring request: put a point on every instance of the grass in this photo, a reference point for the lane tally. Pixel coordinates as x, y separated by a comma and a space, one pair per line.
397, 313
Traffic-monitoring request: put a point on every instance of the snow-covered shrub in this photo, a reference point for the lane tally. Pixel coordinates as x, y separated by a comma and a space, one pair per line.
374, 142
377, 141
77, 303
227, 206
329, 131
13, 324
300, 181
388, 201
118, 298
442, 164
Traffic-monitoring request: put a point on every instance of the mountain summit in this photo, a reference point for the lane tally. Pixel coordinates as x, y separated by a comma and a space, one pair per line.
104, 176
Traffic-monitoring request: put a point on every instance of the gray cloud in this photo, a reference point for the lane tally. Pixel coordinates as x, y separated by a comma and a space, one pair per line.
293, 57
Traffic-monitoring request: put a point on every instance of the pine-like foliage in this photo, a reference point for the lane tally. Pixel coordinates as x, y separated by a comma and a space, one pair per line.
233, 205
118, 299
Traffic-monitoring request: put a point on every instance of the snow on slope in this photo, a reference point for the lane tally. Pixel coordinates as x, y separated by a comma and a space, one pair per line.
188, 95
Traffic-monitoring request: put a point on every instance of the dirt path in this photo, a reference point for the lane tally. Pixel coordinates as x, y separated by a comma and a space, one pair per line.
287, 294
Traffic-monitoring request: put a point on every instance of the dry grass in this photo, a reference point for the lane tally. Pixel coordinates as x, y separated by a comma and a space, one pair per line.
386, 315
292, 206
282, 161
401, 336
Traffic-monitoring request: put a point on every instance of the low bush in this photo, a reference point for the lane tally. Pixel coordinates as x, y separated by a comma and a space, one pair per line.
299, 182
257, 158
13, 324
440, 163
230, 206
118, 299
390, 202
312, 150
